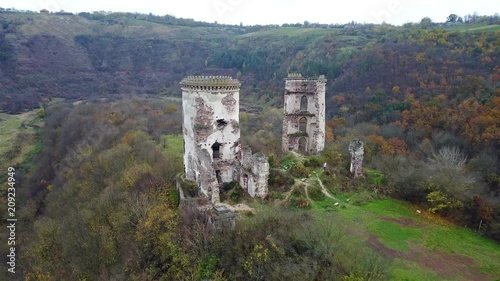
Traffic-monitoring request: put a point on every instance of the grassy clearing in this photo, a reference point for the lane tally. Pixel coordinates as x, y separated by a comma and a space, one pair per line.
411, 271
422, 245
385, 219
476, 27
173, 147
19, 138
292, 32
9, 127
391, 208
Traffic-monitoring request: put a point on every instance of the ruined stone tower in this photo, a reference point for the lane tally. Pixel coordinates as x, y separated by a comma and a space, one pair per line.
211, 132
304, 119
356, 148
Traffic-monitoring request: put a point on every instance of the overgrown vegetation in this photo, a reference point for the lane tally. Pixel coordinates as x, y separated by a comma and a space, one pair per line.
97, 183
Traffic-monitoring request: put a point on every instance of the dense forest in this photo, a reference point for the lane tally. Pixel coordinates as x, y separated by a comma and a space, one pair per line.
97, 180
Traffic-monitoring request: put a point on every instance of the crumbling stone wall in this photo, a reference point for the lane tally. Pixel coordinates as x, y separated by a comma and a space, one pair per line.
254, 173
356, 149
211, 132
312, 139
212, 154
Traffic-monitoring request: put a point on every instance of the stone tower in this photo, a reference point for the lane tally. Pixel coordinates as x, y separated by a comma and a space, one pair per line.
356, 148
304, 118
211, 132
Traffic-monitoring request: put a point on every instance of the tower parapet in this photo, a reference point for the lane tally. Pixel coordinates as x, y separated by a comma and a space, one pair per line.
294, 76
210, 83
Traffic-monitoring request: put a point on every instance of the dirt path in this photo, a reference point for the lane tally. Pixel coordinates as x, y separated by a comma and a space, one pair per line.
306, 185
325, 192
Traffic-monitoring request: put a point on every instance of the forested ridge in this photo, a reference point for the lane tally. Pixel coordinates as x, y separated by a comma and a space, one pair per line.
96, 182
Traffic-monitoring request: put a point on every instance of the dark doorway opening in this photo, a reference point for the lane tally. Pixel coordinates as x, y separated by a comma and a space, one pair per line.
216, 150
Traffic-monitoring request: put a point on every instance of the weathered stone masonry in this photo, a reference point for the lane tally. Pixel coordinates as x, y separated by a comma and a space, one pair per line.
304, 118
356, 148
212, 153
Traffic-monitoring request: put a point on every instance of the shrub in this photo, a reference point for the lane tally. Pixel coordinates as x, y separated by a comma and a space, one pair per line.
313, 162
300, 202
190, 188
236, 194
376, 177
298, 191
280, 181
288, 161
315, 193
298, 170
271, 159
362, 198
206, 267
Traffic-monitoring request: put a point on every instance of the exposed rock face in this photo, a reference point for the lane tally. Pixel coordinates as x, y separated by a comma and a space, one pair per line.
356, 149
212, 154
304, 120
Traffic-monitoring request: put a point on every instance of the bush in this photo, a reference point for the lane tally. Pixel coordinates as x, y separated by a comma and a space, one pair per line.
315, 193
236, 194
280, 181
298, 170
271, 159
298, 191
288, 161
362, 198
275, 195
206, 267
313, 162
300, 202
190, 188
376, 177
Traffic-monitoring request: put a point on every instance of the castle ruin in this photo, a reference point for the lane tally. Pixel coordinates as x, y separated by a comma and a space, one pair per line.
212, 149
356, 148
304, 114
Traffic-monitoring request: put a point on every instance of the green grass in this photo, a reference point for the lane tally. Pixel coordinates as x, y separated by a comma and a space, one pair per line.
392, 235
19, 152
9, 128
427, 232
457, 240
292, 32
475, 27
390, 208
411, 271
173, 147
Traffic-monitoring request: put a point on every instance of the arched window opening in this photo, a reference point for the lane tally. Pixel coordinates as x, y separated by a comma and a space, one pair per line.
303, 103
303, 125
303, 145
216, 150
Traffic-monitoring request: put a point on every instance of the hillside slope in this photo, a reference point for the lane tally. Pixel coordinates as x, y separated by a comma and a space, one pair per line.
73, 56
